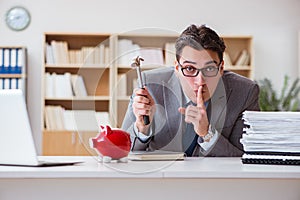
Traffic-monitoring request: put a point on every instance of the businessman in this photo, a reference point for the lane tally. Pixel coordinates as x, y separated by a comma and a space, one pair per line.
196, 106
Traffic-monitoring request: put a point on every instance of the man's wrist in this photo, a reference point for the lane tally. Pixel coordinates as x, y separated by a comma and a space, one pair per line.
142, 137
142, 128
209, 135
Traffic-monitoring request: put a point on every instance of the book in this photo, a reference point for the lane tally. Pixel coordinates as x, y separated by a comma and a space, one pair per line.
170, 54
78, 85
1, 60
122, 85
227, 59
243, 58
6, 61
80, 120
156, 155
153, 57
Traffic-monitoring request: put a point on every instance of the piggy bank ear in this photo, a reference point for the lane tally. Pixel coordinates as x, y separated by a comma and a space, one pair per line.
106, 129
102, 128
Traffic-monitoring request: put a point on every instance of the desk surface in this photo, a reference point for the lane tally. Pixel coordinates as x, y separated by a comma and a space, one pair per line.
190, 168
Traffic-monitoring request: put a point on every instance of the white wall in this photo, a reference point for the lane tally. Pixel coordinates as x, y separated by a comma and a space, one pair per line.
274, 25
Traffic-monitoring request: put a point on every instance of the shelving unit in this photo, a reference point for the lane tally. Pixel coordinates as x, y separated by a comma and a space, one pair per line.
13, 68
109, 84
97, 81
234, 47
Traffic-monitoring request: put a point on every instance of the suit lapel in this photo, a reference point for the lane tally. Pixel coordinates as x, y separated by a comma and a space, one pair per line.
217, 107
172, 91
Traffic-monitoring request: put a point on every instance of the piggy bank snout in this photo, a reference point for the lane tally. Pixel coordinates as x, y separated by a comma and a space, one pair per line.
93, 142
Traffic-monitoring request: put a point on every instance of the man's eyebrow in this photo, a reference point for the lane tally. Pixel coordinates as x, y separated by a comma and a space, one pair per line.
212, 61
190, 62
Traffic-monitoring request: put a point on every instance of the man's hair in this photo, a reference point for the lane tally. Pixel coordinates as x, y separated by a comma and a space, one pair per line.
200, 38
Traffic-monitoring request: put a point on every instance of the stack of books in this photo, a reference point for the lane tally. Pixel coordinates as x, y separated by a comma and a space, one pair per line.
271, 138
128, 50
58, 118
64, 85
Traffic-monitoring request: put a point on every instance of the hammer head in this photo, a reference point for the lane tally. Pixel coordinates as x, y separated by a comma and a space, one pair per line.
137, 62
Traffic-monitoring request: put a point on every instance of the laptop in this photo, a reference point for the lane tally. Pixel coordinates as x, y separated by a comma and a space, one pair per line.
17, 146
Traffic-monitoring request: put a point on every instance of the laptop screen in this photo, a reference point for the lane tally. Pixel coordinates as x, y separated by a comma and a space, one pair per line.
16, 142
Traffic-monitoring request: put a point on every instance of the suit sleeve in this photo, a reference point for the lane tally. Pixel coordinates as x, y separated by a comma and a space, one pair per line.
128, 126
231, 146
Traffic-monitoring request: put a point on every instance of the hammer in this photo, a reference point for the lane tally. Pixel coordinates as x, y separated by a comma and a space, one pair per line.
137, 65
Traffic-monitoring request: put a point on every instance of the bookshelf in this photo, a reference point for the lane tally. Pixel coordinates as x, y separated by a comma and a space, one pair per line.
77, 80
13, 68
109, 80
240, 55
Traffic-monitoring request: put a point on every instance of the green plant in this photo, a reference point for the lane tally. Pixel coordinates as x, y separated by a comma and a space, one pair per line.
287, 101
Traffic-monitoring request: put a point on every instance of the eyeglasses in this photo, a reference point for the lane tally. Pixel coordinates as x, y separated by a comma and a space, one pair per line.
191, 71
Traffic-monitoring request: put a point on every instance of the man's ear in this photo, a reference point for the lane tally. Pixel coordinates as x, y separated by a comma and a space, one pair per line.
176, 65
222, 68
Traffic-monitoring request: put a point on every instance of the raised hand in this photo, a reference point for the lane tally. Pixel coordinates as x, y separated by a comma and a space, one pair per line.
197, 115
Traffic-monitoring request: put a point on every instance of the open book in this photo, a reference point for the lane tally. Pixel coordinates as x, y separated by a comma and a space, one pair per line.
156, 155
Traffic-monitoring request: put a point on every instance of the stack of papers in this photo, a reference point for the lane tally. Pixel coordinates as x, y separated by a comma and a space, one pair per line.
271, 136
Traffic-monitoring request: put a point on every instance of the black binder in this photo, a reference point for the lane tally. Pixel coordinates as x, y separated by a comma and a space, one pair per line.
271, 158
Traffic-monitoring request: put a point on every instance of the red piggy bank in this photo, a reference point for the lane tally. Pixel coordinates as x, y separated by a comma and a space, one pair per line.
111, 144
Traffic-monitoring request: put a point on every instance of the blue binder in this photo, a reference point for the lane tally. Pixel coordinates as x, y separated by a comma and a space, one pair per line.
1, 61
19, 63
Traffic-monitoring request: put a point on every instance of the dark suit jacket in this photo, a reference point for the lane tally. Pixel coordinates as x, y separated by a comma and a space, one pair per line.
234, 95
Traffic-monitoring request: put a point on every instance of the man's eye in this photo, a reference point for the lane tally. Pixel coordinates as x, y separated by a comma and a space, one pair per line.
210, 68
190, 69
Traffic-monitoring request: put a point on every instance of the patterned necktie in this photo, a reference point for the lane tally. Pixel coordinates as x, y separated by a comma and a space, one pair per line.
189, 138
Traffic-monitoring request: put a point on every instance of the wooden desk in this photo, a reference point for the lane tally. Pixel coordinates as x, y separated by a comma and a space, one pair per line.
208, 178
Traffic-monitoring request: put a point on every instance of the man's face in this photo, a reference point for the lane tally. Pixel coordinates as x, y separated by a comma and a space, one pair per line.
192, 59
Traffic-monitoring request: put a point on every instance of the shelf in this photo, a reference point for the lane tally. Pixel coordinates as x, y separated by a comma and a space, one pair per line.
235, 67
123, 98
12, 76
88, 98
85, 66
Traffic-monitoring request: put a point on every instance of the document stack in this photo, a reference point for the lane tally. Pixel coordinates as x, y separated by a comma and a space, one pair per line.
271, 138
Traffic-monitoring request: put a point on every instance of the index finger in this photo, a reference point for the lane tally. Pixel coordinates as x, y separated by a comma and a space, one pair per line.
200, 101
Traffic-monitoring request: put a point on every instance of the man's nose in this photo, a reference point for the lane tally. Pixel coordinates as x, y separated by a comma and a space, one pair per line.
200, 79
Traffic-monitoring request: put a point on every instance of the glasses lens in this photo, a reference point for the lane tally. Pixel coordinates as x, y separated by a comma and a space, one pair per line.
190, 71
210, 71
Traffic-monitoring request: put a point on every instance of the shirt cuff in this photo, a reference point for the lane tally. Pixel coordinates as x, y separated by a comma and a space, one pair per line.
207, 145
140, 135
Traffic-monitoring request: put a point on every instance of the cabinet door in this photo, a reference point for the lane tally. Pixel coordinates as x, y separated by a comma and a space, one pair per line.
67, 143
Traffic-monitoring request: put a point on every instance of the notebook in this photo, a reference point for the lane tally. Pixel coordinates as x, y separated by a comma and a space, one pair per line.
156, 155
17, 146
